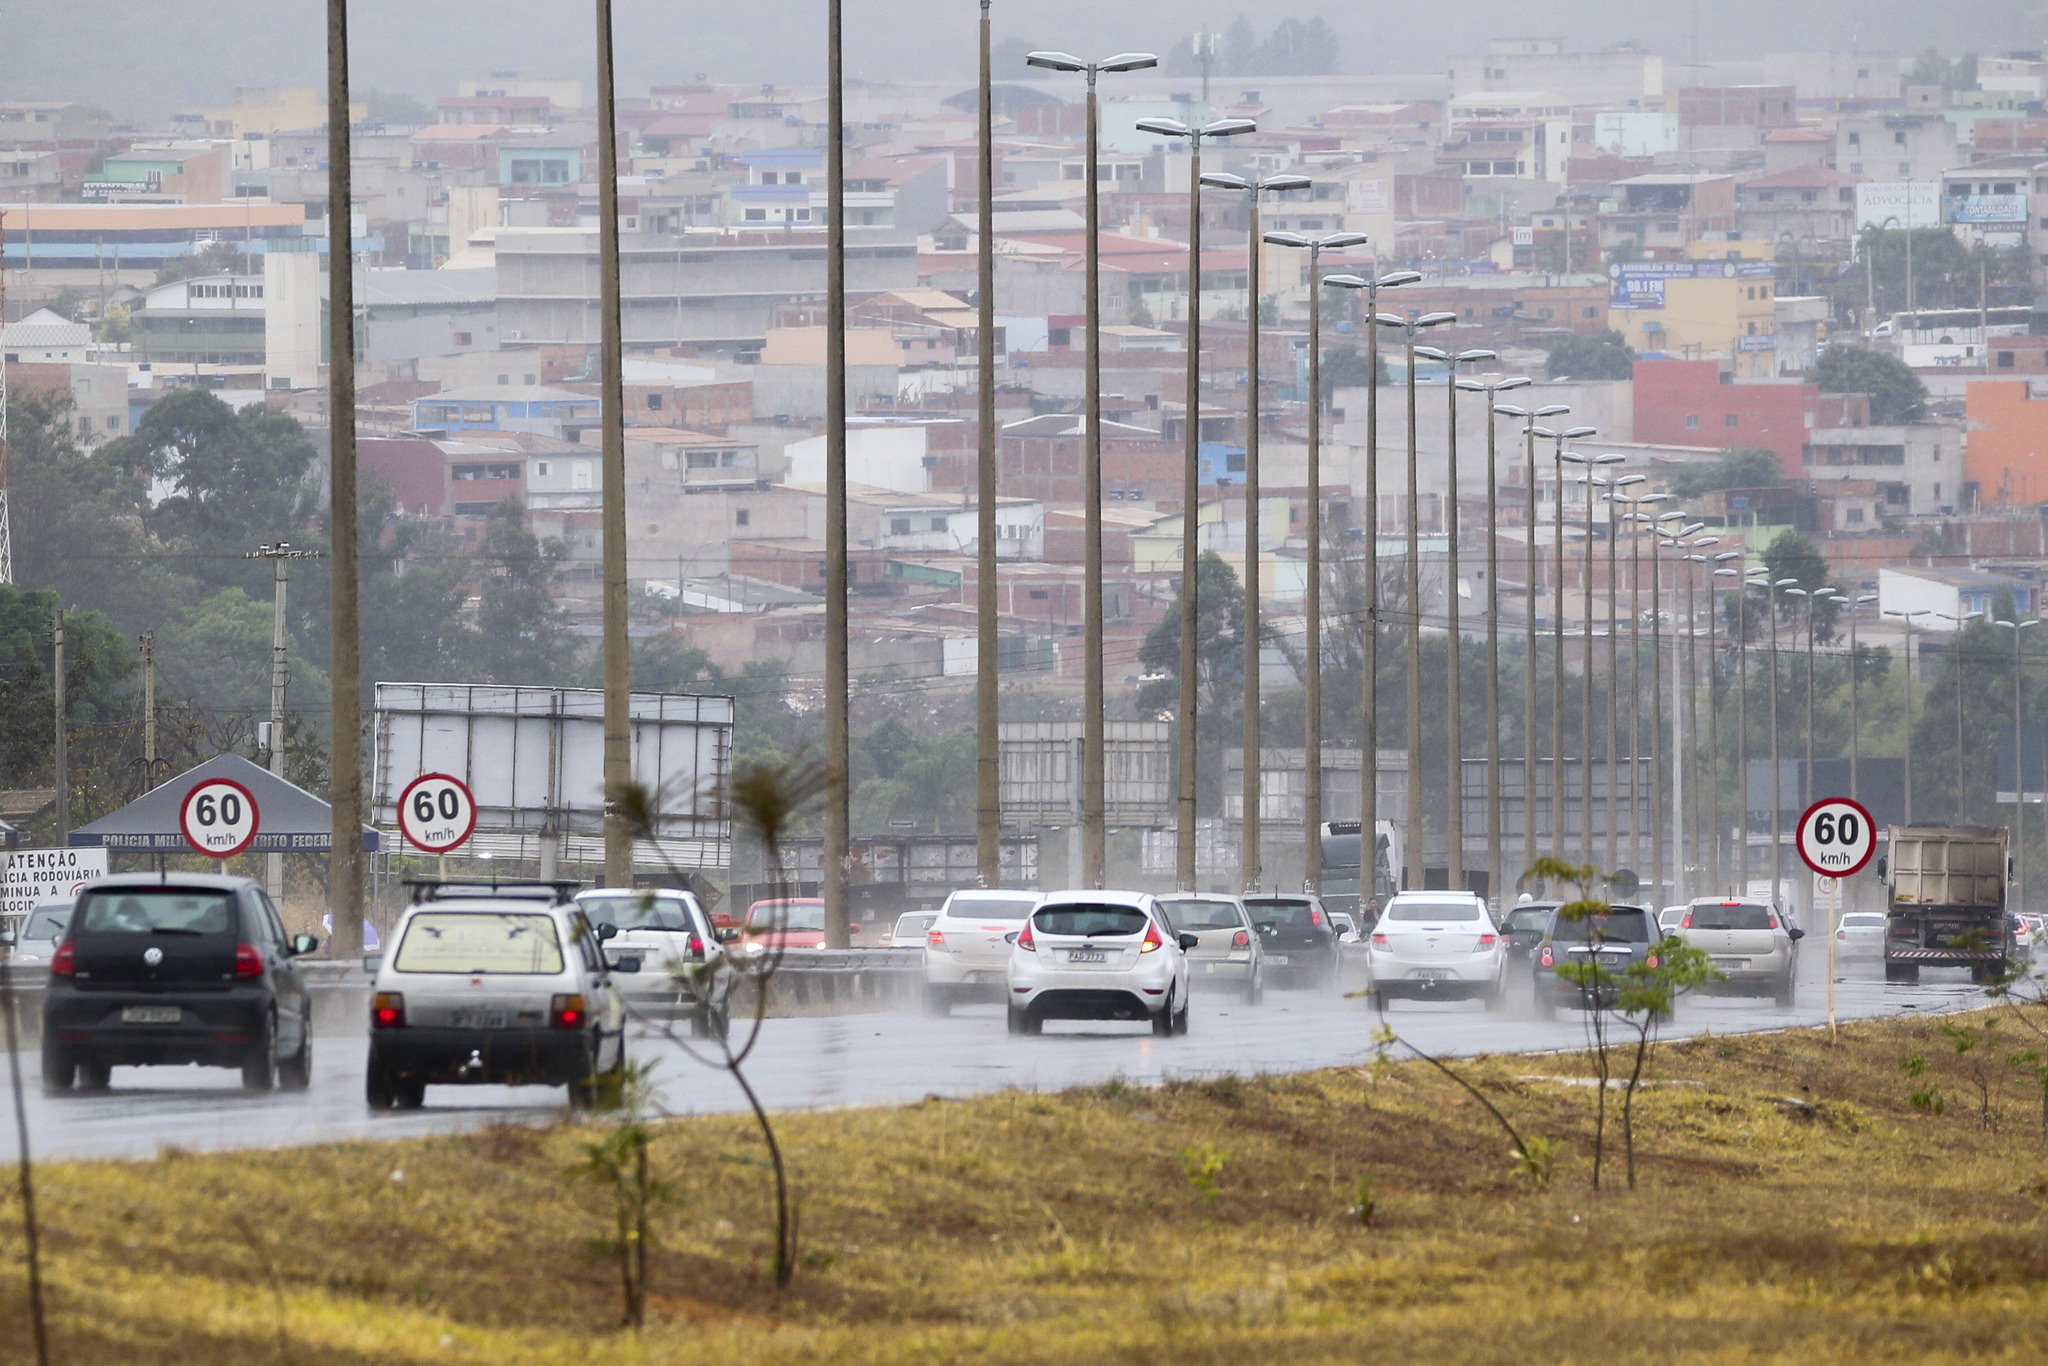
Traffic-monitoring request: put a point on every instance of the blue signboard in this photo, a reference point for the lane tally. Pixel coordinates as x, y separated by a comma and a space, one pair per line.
1640, 284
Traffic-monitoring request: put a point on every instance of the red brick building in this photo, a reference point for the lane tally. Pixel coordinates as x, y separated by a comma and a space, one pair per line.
1689, 403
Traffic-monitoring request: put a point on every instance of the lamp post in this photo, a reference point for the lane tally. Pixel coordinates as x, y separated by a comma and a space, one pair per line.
1409, 327
1906, 750
1690, 769
1312, 803
1657, 831
1453, 628
1591, 481
1612, 855
1094, 818
988, 799
1955, 664
1191, 487
1369, 754
1717, 870
1636, 517
1529, 751
1251, 863
1558, 456
2019, 765
1493, 831
1855, 733
1777, 799
1587, 462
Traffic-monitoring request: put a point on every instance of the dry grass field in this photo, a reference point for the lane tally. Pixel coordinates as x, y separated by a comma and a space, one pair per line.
1792, 1204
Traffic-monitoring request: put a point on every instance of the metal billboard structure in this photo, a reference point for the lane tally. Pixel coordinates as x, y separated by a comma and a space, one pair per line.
1041, 773
534, 760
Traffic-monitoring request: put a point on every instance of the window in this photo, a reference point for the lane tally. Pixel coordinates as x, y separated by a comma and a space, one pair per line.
757, 215
113, 424
2005, 360
1855, 139
743, 517
1855, 517
463, 339
477, 944
1692, 419
1731, 420
700, 460
540, 467
1038, 595
654, 402
1899, 138
899, 526
938, 524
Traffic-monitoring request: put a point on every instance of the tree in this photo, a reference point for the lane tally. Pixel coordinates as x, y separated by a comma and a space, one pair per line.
523, 633
1605, 355
1238, 54
1738, 468
96, 662
396, 107
1791, 556
1896, 393
1219, 651
221, 258
1346, 367
1947, 273
1298, 49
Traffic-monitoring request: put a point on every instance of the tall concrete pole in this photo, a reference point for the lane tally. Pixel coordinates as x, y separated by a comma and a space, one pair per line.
1454, 700
1742, 744
838, 755
1586, 681
1369, 673
1529, 747
616, 646
988, 804
1190, 544
1251, 864
1417, 874
1494, 889
1559, 827
345, 672
59, 682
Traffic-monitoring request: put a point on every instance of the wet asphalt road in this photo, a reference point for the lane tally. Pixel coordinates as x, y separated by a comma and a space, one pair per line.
898, 1056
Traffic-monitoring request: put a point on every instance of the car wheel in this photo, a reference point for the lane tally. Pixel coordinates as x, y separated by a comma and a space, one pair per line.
718, 1022
1180, 1019
1255, 990
296, 1072
259, 1063
937, 1000
1490, 998
59, 1067
408, 1093
1022, 1021
94, 1075
377, 1090
1162, 1023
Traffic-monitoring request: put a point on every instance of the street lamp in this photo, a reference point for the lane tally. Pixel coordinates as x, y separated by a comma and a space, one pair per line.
1094, 817
1558, 456
2019, 766
1409, 327
1776, 586
1493, 830
1691, 816
1855, 735
1454, 631
1955, 661
1906, 618
1529, 751
1250, 860
1657, 814
1612, 855
1312, 807
1191, 485
1636, 517
1590, 480
1369, 758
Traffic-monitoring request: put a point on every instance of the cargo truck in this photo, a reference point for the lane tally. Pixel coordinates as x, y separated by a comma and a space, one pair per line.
1944, 900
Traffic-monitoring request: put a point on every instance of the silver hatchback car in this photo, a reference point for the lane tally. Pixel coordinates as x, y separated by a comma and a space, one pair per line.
501, 984
1752, 943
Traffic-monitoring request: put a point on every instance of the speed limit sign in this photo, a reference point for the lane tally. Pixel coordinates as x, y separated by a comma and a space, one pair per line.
436, 812
1836, 837
219, 818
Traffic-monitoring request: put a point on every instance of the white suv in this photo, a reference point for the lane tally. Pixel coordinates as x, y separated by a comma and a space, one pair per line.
968, 946
1087, 955
1436, 944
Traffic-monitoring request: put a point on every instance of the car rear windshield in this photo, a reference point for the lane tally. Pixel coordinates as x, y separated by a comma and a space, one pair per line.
480, 943
1864, 920
1623, 924
644, 912
1204, 913
780, 915
1293, 915
1743, 915
1529, 917
1403, 909
1079, 919
159, 910
990, 908
914, 924
47, 923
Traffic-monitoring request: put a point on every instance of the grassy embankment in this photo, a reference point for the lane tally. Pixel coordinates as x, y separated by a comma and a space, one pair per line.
1067, 1228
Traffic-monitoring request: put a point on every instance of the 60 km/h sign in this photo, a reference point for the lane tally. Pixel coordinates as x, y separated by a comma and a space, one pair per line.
1836, 837
436, 812
219, 818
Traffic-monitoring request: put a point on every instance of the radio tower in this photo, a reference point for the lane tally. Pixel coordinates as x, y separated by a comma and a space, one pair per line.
6, 533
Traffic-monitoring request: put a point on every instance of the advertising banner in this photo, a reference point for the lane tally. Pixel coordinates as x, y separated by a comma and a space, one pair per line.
1986, 208
1914, 203
1640, 284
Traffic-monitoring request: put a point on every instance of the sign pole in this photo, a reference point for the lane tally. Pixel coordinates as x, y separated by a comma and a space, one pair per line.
1834, 919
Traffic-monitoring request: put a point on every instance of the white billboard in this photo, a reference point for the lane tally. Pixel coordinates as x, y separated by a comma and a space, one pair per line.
1041, 770
1914, 203
534, 760
34, 876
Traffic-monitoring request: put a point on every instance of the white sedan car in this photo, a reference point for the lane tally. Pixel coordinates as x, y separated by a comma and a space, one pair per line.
1859, 936
1436, 944
1089, 955
967, 948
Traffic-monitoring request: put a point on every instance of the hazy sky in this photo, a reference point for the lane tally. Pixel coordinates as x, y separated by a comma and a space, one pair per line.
145, 59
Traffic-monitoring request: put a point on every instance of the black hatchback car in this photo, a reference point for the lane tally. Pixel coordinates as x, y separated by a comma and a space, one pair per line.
1613, 940
156, 970
1295, 932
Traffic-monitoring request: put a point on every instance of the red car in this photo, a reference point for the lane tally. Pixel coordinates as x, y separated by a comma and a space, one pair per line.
788, 923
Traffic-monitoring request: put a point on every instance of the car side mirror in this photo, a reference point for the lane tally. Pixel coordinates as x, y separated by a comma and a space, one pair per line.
607, 932
1795, 934
1189, 941
303, 944
1880, 869
728, 934
372, 962
622, 962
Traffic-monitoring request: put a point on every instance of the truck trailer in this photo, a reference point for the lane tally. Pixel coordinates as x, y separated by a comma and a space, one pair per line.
1945, 900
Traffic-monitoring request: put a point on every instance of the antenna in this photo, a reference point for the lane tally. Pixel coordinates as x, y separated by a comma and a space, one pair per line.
6, 534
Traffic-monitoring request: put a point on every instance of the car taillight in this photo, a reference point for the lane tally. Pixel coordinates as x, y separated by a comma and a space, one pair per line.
567, 1012
1241, 940
936, 940
1686, 923
853, 929
1545, 959
1651, 960
1315, 917
387, 1010
696, 946
1379, 941
1024, 939
64, 962
1152, 939
1486, 941
248, 962
1771, 923
1842, 935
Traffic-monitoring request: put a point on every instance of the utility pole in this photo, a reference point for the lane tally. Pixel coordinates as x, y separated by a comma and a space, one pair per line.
6, 530
988, 802
616, 646
280, 556
63, 741
149, 707
345, 867
838, 754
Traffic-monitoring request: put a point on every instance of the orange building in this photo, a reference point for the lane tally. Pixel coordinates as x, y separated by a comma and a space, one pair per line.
2006, 456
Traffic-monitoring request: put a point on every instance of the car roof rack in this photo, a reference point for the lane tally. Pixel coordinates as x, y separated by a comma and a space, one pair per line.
426, 889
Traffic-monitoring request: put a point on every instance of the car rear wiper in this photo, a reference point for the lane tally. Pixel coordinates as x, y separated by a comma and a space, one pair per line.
174, 929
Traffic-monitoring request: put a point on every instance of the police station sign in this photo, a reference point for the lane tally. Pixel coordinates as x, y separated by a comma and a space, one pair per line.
34, 876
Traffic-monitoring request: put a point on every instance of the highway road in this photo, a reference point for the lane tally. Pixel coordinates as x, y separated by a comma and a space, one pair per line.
893, 1057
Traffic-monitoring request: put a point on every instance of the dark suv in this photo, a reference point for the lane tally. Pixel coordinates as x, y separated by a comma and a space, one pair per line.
159, 970
1614, 940
1294, 930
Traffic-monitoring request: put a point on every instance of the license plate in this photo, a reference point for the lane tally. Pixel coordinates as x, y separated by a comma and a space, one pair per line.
151, 1014
1087, 955
1278, 960
1731, 962
481, 1019
1432, 974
